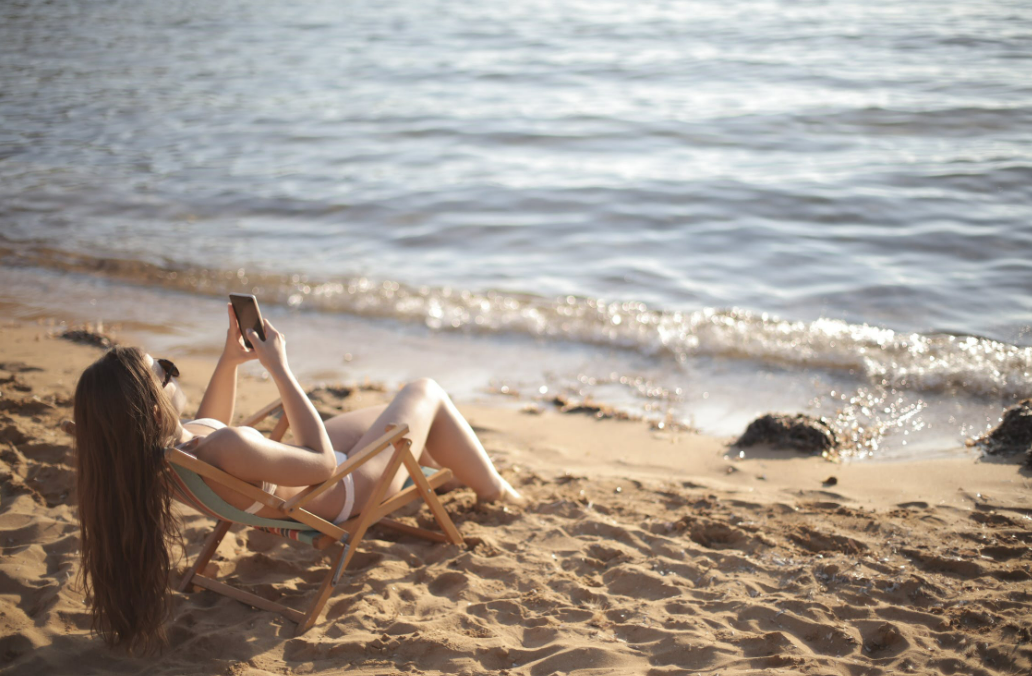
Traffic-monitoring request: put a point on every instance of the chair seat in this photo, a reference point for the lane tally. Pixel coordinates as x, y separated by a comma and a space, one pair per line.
308, 537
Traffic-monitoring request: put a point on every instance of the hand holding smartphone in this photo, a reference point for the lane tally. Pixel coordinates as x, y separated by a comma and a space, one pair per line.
245, 306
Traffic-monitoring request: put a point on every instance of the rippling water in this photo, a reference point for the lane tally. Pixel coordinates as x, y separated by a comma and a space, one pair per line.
838, 186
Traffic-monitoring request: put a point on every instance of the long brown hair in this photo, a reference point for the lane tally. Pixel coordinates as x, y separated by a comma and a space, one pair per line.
123, 424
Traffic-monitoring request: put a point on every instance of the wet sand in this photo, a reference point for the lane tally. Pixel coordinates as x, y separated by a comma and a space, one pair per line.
644, 551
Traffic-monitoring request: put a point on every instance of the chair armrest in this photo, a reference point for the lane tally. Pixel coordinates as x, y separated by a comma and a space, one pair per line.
205, 470
350, 465
262, 414
178, 457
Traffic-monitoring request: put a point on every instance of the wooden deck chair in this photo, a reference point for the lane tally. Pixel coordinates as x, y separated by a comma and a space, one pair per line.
295, 522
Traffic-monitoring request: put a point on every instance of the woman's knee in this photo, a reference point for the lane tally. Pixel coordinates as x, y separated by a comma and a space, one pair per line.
426, 387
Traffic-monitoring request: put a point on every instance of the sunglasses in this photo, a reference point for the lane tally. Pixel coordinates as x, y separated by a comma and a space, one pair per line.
170, 371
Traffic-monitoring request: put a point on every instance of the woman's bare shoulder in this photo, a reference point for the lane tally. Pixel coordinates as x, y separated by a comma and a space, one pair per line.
227, 440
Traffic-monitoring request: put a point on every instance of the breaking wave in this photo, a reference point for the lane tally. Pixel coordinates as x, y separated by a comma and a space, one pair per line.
939, 362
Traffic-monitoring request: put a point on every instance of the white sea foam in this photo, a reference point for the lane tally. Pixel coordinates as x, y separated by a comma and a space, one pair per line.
912, 361
939, 362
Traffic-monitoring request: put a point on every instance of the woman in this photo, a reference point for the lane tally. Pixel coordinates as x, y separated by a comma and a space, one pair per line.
127, 413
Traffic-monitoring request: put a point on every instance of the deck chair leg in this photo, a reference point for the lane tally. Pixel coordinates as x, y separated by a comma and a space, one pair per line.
337, 565
347, 551
431, 499
207, 551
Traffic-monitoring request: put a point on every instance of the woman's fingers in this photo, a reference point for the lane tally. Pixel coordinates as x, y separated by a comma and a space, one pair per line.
235, 347
258, 346
271, 331
272, 350
234, 325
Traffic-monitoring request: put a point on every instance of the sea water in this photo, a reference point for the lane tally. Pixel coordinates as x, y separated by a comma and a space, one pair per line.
698, 211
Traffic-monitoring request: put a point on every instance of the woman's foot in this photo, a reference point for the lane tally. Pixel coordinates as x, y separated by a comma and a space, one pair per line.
507, 495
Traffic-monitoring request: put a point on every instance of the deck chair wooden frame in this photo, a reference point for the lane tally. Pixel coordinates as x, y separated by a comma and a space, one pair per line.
341, 540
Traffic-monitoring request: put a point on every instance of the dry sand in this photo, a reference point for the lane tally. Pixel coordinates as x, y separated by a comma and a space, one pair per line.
644, 552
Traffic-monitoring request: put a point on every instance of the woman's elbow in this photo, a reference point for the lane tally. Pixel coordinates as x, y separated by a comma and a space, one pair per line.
323, 466
329, 465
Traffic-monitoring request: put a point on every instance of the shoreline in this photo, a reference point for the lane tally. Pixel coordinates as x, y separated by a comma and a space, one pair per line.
642, 550
719, 396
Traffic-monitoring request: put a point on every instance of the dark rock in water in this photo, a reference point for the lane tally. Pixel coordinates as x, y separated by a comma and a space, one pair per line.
88, 337
799, 432
1013, 434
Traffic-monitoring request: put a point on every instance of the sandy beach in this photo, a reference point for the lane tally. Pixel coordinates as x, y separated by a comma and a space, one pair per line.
644, 551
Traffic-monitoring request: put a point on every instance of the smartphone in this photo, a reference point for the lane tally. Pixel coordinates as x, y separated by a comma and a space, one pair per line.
245, 306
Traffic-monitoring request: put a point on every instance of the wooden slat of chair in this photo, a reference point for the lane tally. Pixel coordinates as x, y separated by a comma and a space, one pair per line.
412, 530
262, 414
280, 429
431, 499
350, 465
208, 471
248, 598
322, 595
211, 543
400, 447
399, 500
281, 425
394, 503
254, 493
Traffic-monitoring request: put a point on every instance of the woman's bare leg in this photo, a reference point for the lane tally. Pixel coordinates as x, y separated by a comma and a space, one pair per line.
435, 427
347, 428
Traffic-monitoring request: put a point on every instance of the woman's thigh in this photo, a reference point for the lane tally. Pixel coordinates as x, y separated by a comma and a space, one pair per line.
344, 430
413, 406
347, 428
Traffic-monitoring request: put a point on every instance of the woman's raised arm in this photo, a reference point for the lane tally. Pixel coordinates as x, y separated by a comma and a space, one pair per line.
244, 452
219, 398
305, 423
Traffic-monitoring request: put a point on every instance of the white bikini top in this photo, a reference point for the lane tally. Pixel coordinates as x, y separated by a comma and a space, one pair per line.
207, 422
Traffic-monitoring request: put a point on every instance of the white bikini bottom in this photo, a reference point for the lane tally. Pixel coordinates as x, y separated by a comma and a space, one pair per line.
349, 493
